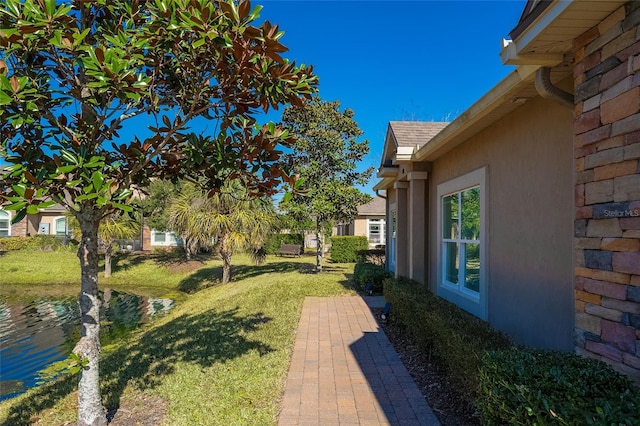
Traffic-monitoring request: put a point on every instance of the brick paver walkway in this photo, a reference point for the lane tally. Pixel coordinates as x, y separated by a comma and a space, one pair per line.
344, 371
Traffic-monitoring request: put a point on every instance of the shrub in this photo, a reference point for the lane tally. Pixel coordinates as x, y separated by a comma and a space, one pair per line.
345, 249
364, 273
276, 240
526, 386
376, 256
35, 242
454, 338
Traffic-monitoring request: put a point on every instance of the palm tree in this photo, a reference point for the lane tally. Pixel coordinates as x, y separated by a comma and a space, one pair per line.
229, 220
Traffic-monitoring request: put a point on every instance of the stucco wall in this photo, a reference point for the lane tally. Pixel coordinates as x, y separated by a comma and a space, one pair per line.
528, 157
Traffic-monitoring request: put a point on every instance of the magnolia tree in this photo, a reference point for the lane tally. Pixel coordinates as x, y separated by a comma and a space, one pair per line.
79, 82
326, 157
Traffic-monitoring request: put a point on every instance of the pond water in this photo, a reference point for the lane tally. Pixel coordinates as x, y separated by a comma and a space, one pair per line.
36, 333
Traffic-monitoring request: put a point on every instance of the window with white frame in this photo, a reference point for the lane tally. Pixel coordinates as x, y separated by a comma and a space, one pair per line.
161, 238
60, 225
462, 248
375, 230
5, 224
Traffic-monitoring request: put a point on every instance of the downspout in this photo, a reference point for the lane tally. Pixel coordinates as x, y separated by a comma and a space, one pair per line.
381, 196
547, 90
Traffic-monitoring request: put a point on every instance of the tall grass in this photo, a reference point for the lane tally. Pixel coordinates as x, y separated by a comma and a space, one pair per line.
218, 358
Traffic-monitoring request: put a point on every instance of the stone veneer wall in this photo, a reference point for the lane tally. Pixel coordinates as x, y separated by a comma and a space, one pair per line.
607, 190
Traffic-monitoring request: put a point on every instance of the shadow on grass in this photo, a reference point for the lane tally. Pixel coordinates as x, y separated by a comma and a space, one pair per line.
204, 339
123, 261
206, 277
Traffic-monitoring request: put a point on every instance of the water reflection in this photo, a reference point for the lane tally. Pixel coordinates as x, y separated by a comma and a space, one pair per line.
35, 334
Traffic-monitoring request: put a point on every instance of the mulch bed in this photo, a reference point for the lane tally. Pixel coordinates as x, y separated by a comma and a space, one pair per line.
450, 407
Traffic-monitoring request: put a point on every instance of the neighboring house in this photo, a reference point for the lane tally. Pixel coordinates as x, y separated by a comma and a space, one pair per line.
525, 210
49, 221
370, 222
158, 239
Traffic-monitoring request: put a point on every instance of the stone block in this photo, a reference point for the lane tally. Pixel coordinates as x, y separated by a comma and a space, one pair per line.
591, 298
596, 135
628, 263
579, 165
605, 313
626, 188
624, 105
611, 276
619, 44
598, 192
587, 89
621, 336
580, 228
608, 64
591, 61
635, 280
626, 306
609, 143
633, 294
632, 233
579, 195
626, 125
634, 321
588, 323
604, 228
632, 222
579, 306
617, 89
591, 103
614, 76
587, 121
620, 244
604, 38
606, 350
588, 243
632, 20
584, 212
612, 20
609, 210
585, 176
614, 170
598, 259
631, 361
605, 157
585, 38
603, 288
584, 151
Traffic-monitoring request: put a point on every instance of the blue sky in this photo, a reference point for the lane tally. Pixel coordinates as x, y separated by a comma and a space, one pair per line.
398, 60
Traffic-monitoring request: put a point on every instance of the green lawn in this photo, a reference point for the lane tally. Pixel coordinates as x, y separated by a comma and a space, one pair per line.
219, 358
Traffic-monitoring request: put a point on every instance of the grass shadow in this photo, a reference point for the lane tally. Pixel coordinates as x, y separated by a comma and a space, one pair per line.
204, 339
207, 277
123, 261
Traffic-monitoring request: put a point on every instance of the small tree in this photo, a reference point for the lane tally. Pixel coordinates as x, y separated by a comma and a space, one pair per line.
118, 226
325, 157
230, 220
73, 76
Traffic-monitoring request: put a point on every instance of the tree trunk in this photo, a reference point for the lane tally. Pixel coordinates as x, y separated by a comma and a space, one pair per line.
226, 266
107, 260
225, 254
90, 409
319, 247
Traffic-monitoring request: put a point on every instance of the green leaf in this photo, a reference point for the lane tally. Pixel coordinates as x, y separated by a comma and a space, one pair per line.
97, 179
65, 169
15, 206
4, 98
19, 215
122, 207
46, 204
32, 209
19, 189
287, 197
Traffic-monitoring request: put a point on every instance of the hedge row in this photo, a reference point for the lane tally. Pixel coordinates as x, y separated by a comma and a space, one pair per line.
34, 242
511, 385
369, 273
454, 337
345, 249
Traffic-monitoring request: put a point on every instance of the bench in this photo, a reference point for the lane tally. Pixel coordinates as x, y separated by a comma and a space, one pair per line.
290, 249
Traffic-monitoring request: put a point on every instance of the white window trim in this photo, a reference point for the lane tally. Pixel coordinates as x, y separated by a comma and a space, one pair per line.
474, 303
54, 230
3, 212
170, 239
382, 224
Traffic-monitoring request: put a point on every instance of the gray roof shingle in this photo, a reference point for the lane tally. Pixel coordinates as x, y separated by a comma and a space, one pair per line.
412, 133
